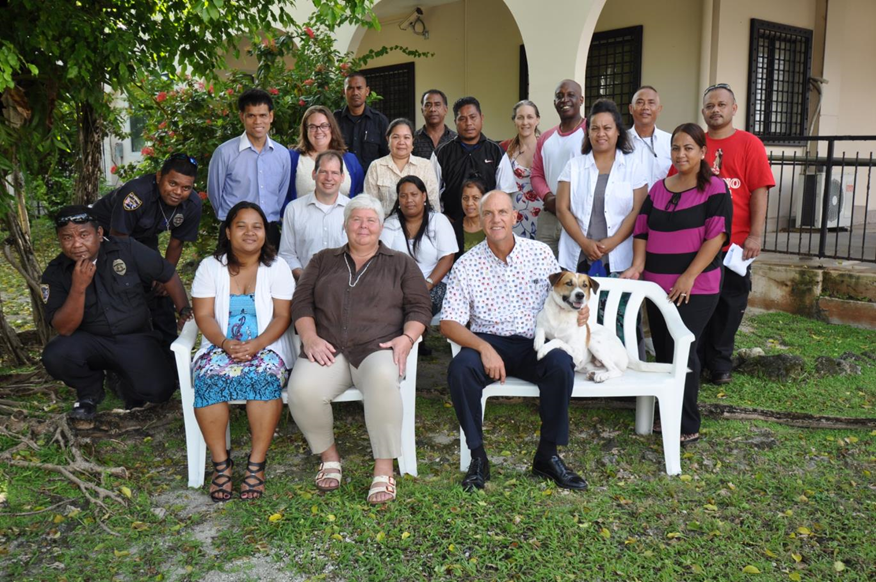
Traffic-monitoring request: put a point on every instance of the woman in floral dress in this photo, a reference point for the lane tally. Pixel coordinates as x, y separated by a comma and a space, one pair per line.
520, 151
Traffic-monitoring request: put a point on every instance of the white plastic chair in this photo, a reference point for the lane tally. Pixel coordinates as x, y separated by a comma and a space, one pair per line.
196, 447
667, 387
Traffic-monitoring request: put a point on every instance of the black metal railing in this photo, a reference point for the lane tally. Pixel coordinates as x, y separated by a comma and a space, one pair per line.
821, 205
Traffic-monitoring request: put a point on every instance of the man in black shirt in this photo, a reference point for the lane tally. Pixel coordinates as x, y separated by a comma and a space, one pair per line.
363, 128
470, 154
434, 133
147, 206
95, 299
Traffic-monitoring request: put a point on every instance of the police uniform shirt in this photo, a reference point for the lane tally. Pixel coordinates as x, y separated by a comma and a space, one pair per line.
136, 210
115, 300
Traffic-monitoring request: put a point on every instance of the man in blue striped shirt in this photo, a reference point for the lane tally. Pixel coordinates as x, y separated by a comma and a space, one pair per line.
251, 167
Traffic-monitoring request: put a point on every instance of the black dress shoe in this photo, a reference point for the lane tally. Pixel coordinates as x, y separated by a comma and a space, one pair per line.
83, 410
721, 378
477, 475
556, 470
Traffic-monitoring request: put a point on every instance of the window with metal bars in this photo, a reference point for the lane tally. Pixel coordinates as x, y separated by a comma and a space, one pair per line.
780, 61
395, 84
614, 68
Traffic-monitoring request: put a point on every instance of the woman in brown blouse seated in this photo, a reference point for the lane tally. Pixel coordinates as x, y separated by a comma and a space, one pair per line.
359, 310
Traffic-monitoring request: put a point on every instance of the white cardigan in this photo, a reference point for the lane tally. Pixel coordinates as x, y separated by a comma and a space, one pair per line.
275, 282
581, 173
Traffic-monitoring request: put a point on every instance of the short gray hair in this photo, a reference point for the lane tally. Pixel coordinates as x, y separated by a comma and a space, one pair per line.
364, 201
487, 195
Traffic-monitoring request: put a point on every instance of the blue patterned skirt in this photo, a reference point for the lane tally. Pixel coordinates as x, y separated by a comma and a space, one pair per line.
218, 378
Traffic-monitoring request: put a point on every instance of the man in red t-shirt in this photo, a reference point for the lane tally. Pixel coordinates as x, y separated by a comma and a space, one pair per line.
739, 158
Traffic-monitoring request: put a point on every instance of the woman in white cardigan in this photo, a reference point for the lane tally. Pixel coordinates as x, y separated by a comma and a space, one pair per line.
241, 298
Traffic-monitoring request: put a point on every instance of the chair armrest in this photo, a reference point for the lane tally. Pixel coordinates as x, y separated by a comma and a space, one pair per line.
186, 340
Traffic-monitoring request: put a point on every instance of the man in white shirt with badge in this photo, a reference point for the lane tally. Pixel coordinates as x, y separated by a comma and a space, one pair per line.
316, 221
651, 145
497, 289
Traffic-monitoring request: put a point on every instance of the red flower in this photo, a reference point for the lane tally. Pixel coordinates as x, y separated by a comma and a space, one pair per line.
162, 125
535, 212
161, 96
344, 66
274, 91
230, 91
209, 122
309, 31
210, 88
113, 169
147, 151
302, 103
308, 82
530, 195
171, 134
202, 195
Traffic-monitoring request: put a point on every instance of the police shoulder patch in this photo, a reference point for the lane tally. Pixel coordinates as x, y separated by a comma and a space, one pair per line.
131, 202
178, 220
44, 290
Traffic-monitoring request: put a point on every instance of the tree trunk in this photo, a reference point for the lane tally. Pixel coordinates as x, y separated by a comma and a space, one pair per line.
18, 225
10, 345
88, 166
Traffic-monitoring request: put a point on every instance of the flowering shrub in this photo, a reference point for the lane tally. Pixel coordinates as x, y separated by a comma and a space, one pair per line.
195, 116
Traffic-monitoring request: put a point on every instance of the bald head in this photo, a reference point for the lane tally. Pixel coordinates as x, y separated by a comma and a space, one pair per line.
568, 100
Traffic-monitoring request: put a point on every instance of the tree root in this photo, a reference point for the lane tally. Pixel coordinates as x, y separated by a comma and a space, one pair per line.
39, 511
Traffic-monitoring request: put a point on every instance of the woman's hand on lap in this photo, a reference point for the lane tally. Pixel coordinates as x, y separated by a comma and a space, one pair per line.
318, 350
401, 347
680, 292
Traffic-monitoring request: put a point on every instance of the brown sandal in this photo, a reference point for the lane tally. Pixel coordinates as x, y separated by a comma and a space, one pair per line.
687, 439
329, 470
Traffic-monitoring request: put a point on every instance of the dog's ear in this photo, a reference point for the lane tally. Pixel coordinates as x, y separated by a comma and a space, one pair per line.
552, 279
594, 286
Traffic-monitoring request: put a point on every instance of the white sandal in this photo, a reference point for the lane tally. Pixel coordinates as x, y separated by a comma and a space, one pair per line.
329, 470
382, 484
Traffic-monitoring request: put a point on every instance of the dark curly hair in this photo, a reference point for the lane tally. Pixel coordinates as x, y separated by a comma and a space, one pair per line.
623, 138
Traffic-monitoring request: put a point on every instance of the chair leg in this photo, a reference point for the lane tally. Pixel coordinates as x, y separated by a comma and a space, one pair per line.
644, 414
670, 420
464, 453
196, 449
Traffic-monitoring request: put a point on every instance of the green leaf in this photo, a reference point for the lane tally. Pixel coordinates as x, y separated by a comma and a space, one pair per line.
750, 570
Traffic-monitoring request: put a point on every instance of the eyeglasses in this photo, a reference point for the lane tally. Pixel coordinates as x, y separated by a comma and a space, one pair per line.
181, 156
323, 127
81, 218
717, 86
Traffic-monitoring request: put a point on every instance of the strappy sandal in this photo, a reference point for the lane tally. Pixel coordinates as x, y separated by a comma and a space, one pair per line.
329, 470
382, 484
657, 428
687, 439
249, 485
222, 478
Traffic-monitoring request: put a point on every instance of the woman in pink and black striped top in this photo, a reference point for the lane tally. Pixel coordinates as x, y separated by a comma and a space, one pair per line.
678, 236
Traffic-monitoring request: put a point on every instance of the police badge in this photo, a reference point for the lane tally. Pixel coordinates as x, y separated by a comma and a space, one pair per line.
178, 220
120, 267
44, 291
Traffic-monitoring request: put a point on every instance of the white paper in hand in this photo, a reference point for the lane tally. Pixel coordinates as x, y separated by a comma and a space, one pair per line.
733, 260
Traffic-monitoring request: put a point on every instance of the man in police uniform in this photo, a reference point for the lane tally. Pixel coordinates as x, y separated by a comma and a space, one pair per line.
95, 299
147, 206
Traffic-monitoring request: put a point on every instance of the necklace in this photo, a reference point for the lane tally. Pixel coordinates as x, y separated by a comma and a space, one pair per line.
350, 281
651, 146
167, 220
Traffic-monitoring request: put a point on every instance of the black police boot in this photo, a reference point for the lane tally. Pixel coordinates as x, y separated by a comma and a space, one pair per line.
84, 409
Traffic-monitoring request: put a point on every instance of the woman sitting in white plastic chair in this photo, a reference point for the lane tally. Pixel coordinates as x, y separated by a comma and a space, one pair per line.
242, 298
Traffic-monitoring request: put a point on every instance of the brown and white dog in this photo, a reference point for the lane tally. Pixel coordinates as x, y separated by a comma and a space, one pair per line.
596, 351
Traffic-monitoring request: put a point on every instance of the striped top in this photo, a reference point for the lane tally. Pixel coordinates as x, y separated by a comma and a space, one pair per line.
675, 226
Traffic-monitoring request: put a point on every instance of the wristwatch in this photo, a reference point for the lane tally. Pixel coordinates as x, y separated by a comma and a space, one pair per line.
185, 311
430, 281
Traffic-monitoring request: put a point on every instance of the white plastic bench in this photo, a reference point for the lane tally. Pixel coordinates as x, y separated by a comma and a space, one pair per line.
667, 387
196, 447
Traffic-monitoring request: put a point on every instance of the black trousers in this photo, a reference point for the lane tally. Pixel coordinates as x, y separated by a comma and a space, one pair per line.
695, 315
554, 376
163, 317
716, 347
79, 361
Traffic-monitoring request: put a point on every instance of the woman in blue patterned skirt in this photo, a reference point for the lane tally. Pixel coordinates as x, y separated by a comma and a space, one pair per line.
241, 297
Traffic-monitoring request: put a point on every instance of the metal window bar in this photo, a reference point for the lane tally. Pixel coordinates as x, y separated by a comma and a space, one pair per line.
614, 68
395, 85
780, 59
824, 200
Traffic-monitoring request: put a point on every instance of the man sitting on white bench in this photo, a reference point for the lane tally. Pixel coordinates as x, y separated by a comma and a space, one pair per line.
497, 289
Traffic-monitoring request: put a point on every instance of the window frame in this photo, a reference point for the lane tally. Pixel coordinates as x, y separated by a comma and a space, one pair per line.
633, 36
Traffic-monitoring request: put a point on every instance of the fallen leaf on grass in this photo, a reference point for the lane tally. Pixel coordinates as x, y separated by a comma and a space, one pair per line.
794, 576
331, 517
337, 537
839, 566
381, 536
139, 526
605, 533
804, 531
673, 534
697, 569
685, 478
769, 553
126, 491
710, 507
750, 570
406, 535
797, 558
121, 554
275, 517
58, 518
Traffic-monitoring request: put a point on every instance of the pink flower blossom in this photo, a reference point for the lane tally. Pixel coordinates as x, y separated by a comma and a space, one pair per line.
210, 89
201, 85
147, 151
161, 96
308, 82
202, 195
309, 31
230, 91
274, 91
114, 169
535, 212
162, 125
302, 103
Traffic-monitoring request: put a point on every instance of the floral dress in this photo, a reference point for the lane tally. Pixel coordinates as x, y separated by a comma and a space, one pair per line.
218, 378
526, 203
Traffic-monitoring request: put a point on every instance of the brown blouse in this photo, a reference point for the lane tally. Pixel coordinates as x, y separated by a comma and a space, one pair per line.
386, 293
